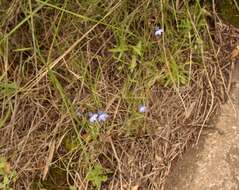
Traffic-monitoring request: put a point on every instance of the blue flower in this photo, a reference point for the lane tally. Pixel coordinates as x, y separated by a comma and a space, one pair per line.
93, 117
102, 116
158, 31
98, 117
142, 109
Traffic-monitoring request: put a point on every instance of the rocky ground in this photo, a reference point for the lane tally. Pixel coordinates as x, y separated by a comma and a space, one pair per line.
214, 163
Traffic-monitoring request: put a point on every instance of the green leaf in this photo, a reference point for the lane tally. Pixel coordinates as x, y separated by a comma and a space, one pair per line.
3, 162
7, 89
6, 180
133, 63
72, 187
138, 49
185, 25
120, 50
96, 176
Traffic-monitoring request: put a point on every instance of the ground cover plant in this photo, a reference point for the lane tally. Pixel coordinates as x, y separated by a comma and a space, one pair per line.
105, 94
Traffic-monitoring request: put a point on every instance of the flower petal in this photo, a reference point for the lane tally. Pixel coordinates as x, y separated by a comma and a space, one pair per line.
102, 116
158, 31
142, 109
93, 118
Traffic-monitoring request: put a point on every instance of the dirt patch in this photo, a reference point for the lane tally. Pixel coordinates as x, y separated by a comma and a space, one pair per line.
184, 168
213, 164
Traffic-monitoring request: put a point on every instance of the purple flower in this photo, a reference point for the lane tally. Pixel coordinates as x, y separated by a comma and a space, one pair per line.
102, 116
142, 109
98, 117
158, 31
93, 117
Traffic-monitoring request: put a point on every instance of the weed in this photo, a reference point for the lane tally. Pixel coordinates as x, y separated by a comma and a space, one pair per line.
59, 57
6, 175
96, 176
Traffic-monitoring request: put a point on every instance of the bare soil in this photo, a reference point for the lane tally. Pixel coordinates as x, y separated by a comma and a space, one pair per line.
214, 163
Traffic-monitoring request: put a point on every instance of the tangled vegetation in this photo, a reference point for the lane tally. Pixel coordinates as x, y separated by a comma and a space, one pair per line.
62, 61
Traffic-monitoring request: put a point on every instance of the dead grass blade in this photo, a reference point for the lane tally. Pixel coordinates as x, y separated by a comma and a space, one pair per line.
49, 159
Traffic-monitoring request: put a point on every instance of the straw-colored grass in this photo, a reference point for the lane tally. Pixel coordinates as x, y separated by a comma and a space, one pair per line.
61, 60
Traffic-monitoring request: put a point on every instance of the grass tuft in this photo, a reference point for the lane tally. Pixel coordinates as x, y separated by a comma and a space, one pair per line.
62, 60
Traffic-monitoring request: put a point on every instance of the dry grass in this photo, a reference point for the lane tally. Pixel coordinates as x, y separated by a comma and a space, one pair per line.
60, 60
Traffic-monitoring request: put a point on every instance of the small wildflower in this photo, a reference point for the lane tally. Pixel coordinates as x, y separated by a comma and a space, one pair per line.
142, 109
158, 31
93, 117
102, 116
98, 117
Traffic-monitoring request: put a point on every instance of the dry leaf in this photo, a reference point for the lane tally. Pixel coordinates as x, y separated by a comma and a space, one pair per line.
158, 158
235, 52
49, 159
189, 111
136, 187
